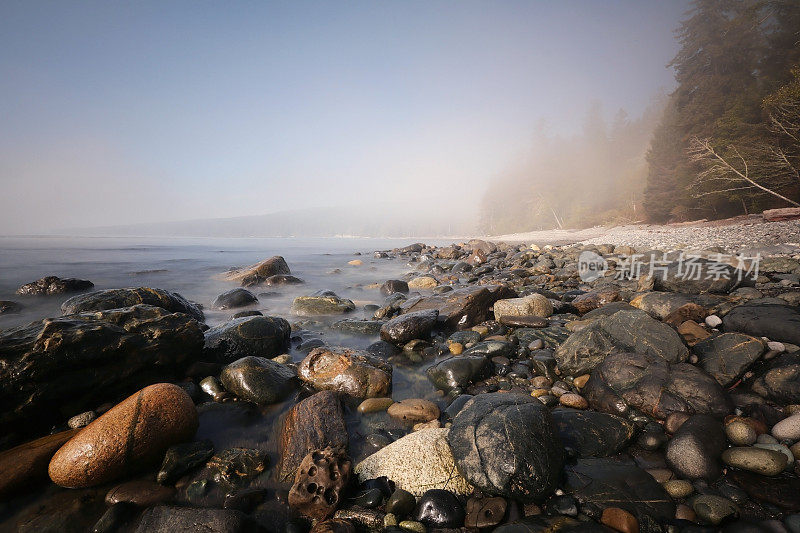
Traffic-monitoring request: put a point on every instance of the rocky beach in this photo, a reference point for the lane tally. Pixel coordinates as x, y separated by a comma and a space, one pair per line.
647, 384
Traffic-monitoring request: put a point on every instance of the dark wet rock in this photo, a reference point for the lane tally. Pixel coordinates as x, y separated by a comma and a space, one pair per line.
319, 483
243, 314
383, 349
261, 336
163, 519
592, 434
458, 371
182, 458
694, 450
359, 327
776, 322
315, 423
409, 326
235, 466
260, 271
650, 384
779, 379
259, 380
456, 405
401, 503
551, 336
491, 349
322, 303
282, 279
690, 311
783, 491
507, 444
713, 509
334, 525
676, 277
608, 310
43, 365
116, 298
439, 508
595, 299
54, 285
141, 493
662, 304
458, 309
624, 331
234, 298
348, 371
485, 512
115, 517
394, 285
601, 483
728, 356
8, 307
25, 466
244, 499
133, 435
368, 498
464, 337
525, 321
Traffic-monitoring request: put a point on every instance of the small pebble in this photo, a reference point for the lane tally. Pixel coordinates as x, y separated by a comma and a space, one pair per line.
740, 433
619, 520
576, 401
787, 429
456, 348
410, 525
678, 488
713, 321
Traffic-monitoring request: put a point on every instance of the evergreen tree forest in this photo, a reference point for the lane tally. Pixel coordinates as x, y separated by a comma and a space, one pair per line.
724, 142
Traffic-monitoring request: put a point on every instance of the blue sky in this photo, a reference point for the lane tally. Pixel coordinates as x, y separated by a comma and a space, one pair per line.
118, 112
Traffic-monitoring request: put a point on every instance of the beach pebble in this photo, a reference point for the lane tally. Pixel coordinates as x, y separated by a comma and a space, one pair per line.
678, 488
713, 509
374, 405
740, 433
787, 429
758, 460
576, 401
414, 410
81, 420
619, 520
440, 509
713, 321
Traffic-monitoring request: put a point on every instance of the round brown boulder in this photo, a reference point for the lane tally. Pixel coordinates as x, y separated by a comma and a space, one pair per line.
133, 434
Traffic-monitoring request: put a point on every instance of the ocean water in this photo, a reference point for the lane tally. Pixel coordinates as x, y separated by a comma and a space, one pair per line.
191, 267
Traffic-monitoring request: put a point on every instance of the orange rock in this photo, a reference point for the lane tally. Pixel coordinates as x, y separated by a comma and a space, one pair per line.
414, 410
620, 519
26, 464
581, 380
133, 434
693, 332
456, 348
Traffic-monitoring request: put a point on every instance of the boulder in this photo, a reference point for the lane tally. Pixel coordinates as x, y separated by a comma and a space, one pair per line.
269, 267
164, 519
654, 386
259, 380
592, 434
779, 379
322, 303
315, 423
56, 368
409, 326
601, 483
693, 452
261, 336
234, 298
459, 371
595, 299
394, 285
458, 309
348, 371
507, 444
420, 461
116, 298
532, 305
319, 483
728, 356
776, 322
624, 331
26, 465
662, 304
54, 285
8, 307
132, 435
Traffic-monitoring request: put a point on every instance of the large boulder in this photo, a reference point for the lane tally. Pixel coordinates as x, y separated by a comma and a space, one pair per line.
776, 322
165, 519
653, 386
260, 271
259, 380
59, 367
348, 371
132, 435
779, 379
507, 444
54, 285
415, 325
460, 308
601, 483
592, 434
418, 462
116, 298
322, 303
315, 423
260, 336
624, 331
728, 356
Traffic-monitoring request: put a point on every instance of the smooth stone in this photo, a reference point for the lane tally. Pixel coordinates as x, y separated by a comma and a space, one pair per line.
787, 429
409, 326
26, 465
523, 321
728, 356
592, 434
536, 305
348, 371
394, 285
779, 448
140, 493
458, 372
460, 308
133, 434
423, 282
678, 488
370, 498
416, 462
163, 519
576, 401
740, 433
81, 420
758, 460
401, 503
114, 518
108, 299
413, 526
485, 512
182, 458
694, 449
619, 520
322, 303
273, 266
374, 405
259, 380
262, 336
414, 410
713, 509
234, 298
439, 508
50, 285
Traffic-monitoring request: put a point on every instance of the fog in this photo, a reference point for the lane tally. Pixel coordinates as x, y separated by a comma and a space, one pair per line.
141, 113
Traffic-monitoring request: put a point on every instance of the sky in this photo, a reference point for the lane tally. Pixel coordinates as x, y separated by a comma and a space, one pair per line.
122, 112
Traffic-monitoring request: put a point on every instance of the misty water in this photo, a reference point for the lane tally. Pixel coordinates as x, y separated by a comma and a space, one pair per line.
192, 267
